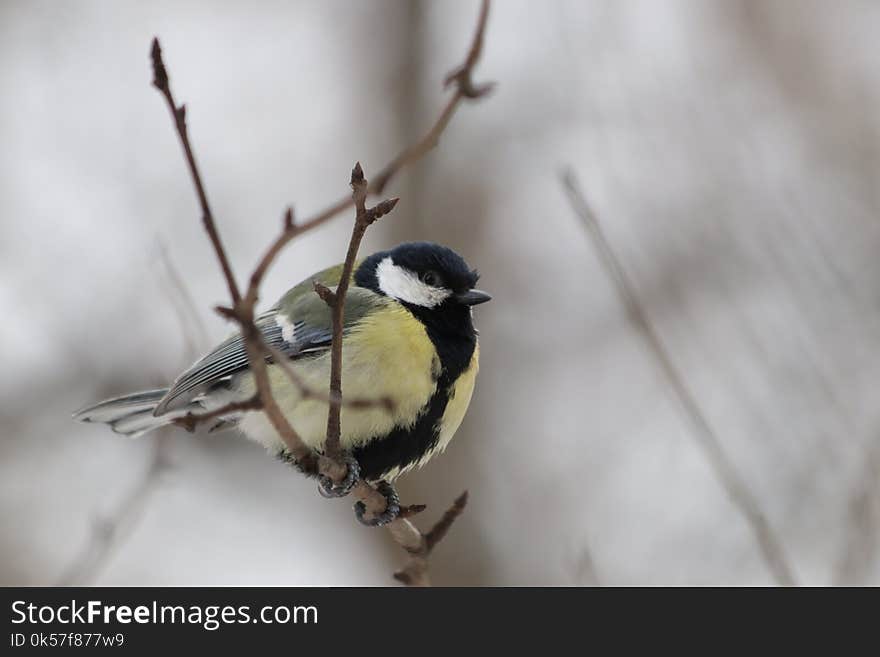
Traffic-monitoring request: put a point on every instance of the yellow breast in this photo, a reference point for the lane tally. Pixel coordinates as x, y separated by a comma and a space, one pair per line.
388, 355
459, 400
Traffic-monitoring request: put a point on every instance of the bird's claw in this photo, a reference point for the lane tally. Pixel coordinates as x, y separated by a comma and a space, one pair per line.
392, 507
328, 488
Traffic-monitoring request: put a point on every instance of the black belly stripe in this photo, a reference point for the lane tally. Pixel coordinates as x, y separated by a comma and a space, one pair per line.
404, 446
454, 338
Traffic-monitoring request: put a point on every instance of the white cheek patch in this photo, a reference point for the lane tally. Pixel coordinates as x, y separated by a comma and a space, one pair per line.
404, 285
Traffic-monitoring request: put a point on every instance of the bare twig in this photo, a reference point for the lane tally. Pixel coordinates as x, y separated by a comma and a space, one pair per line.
462, 78
364, 217
415, 572
306, 459
191, 420
178, 113
726, 472
439, 530
411, 510
243, 313
289, 230
242, 308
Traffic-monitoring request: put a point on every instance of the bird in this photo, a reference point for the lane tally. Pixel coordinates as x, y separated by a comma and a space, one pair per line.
408, 338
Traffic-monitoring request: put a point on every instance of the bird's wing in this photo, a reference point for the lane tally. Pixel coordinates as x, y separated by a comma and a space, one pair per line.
299, 325
230, 357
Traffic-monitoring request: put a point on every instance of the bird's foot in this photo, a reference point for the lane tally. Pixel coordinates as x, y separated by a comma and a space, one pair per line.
309, 467
392, 507
328, 488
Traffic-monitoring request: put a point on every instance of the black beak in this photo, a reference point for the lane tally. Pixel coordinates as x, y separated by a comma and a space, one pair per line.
472, 297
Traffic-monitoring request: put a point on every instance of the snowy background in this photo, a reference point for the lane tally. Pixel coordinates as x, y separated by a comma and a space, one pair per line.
731, 150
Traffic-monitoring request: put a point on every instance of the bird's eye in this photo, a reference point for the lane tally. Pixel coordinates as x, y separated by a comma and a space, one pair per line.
432, 278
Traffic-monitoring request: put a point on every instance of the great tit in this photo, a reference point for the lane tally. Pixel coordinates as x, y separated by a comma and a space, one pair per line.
408, 337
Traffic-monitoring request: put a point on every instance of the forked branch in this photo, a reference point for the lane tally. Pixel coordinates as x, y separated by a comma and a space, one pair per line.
242, 309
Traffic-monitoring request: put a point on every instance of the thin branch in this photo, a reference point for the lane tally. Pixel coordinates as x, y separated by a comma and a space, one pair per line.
364, 217
242, 308
178, 113
439, 530
415, 572
243, 313
289, 230
462, 78
306, 459
725, 471
191, 420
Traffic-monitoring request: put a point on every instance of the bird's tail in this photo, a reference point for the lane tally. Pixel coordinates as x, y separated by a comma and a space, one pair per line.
130, 415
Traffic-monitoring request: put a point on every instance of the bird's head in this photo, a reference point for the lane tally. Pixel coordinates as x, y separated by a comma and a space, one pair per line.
433, 281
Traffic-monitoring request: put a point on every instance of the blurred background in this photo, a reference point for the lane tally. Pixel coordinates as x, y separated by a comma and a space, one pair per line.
730, 149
